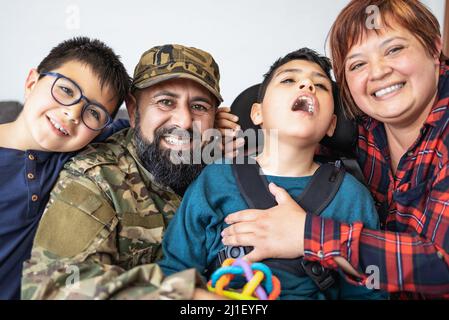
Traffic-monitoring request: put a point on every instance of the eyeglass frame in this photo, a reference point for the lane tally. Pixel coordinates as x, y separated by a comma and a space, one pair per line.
82, 96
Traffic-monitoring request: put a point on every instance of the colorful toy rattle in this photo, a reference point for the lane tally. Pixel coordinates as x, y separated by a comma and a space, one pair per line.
259, 277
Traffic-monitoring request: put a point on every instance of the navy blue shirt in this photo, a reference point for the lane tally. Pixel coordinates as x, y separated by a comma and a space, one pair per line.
26, 179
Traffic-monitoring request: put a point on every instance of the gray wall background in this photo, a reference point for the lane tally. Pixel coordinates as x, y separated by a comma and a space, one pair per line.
245, 36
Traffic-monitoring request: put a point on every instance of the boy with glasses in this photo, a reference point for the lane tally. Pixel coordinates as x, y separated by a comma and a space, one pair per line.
67, 93
102, 229
70, 99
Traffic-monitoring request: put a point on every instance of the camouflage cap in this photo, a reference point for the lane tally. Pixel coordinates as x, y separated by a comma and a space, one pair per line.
171, 61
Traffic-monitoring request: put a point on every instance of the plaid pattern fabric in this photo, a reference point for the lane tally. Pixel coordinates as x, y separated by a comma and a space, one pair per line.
412, 248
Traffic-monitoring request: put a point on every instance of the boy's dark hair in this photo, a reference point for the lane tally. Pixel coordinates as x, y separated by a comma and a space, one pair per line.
300, 54
98, 56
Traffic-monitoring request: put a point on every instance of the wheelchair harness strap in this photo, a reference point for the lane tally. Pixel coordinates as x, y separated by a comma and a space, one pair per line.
317, 195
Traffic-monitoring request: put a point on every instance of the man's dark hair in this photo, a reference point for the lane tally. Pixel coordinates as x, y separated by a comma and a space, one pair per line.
98, 56
300, 54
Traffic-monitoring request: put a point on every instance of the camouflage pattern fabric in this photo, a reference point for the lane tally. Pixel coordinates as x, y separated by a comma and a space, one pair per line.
171, 61
102, 229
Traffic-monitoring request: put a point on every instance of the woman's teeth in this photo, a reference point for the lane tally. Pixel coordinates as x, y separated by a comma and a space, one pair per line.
176, 141
388, 90
58, 126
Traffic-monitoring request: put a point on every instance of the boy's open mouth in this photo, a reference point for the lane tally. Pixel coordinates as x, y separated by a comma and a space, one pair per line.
304, 103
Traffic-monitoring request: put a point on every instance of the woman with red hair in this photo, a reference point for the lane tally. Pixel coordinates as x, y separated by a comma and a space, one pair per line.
394, 81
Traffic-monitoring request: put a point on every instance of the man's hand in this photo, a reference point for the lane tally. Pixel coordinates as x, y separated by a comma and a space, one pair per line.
226, 123
277, 232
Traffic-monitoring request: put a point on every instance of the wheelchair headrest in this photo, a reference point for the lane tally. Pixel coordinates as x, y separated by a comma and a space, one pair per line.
342, 142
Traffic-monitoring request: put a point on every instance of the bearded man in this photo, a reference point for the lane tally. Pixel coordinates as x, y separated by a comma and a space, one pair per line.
102, 229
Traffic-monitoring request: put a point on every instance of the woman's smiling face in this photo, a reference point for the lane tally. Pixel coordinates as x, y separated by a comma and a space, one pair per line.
391, 76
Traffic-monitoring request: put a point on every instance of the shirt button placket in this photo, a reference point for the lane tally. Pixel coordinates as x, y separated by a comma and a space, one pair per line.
33, 187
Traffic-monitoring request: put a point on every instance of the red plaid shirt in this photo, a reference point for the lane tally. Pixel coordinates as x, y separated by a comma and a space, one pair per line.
412, 248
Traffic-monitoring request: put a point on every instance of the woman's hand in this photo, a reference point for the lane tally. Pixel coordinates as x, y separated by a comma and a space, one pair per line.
277, 232
226, 123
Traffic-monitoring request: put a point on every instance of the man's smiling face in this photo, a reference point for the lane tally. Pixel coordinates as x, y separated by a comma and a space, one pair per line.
165, 116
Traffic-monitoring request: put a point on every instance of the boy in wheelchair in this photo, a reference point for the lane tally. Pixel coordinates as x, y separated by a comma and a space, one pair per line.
295, 109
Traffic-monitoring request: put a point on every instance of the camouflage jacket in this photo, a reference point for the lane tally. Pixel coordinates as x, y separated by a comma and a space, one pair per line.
101, 231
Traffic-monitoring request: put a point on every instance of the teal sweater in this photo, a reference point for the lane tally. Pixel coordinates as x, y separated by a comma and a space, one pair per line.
193, 237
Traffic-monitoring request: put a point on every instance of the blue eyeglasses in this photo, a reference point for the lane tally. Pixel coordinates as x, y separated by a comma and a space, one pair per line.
68, 93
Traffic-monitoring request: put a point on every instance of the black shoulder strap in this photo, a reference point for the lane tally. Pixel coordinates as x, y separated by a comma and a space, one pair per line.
318, 193
351, 165
252, 185
322, 188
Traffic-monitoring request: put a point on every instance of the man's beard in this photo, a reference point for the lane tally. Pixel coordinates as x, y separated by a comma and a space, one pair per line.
157, 161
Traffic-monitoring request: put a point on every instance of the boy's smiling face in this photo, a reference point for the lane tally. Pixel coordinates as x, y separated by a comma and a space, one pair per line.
45, 117
298, 103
